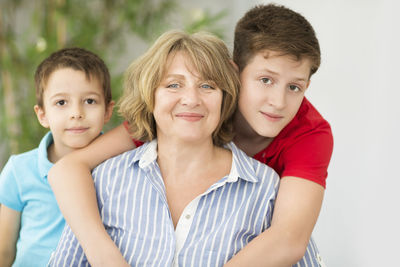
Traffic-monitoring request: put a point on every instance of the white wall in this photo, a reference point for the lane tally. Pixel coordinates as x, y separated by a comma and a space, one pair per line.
357, 89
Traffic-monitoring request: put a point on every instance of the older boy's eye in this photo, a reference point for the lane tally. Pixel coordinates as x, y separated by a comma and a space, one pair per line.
90, 101
61, 102
294, 88
266, 80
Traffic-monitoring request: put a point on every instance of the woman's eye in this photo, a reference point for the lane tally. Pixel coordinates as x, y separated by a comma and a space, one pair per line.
173, 85
61, 102
266, 80
90, 101
206, 86
294, 88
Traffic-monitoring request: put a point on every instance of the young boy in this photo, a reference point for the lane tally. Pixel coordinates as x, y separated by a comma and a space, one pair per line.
276, 52
73, 95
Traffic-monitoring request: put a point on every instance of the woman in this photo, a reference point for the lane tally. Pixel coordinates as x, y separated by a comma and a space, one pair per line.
181, 198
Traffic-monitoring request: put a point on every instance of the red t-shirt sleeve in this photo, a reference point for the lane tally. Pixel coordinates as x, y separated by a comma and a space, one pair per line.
137, 142
309, 157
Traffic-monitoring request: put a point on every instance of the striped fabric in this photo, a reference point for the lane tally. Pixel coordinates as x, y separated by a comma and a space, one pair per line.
212, 228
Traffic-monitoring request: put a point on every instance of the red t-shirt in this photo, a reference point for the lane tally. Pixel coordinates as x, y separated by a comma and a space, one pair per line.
302, 149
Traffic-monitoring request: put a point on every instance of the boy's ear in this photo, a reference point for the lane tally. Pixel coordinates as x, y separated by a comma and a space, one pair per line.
234, 65
41, 115
308, 84
109, 111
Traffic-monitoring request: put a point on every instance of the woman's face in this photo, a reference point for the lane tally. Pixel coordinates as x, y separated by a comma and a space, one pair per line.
187, 107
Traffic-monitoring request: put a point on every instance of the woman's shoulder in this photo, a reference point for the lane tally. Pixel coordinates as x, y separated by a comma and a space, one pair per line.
251, 167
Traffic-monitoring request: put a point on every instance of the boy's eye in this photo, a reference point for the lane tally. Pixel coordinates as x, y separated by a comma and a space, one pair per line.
294, 88
90, 101
61, 102
266, 80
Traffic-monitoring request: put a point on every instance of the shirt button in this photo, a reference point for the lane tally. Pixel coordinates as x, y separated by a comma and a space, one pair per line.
187, 216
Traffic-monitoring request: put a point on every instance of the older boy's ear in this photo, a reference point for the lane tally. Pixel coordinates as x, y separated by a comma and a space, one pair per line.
308, 84
41, 115
234, 65
109, 111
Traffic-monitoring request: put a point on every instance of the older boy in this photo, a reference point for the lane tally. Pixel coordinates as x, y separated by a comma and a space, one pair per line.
276, 52
74, 100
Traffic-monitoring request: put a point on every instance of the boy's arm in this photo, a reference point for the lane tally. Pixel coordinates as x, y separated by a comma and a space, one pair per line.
72, 183
283, 244
10, 222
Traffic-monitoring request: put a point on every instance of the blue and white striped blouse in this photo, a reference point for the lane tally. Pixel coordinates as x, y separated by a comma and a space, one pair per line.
212, 228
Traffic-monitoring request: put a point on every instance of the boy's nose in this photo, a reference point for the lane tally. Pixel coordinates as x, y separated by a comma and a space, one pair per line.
277, 97
77, 112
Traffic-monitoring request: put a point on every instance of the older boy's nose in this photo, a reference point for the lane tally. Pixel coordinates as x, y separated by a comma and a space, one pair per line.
277, 97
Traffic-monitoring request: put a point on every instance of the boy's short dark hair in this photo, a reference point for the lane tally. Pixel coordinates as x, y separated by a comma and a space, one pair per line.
275, 28
75, 58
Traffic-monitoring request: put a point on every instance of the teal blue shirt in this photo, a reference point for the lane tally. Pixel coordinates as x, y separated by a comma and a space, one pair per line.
24, 188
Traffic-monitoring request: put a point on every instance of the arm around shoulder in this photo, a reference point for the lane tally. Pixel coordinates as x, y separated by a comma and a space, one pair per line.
72, 183
283, 244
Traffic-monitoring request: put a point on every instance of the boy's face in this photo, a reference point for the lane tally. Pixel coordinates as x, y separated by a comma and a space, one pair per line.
74, 109
272, 90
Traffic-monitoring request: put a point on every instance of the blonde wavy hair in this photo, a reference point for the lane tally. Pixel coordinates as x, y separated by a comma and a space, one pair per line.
210, 57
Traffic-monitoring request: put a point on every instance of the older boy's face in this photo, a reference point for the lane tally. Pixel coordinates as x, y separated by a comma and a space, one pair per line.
272, 90
74, 109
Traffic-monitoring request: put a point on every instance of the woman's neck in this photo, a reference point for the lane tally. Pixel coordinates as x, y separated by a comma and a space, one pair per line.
246, 138
188, 170
183, 158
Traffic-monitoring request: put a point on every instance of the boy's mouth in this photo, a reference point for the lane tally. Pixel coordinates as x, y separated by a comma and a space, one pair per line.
271, 117
77, 129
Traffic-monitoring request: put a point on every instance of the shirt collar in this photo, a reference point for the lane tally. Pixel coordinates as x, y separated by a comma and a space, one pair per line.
145, 154
242, 165
44, 164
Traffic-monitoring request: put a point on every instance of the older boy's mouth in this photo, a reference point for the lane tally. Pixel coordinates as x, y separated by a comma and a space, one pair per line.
271, 116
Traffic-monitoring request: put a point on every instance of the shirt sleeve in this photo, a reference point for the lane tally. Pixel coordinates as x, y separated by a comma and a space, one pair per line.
309, 157
10, 195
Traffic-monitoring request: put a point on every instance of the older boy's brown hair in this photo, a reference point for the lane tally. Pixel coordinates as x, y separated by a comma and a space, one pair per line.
275, 28
77, 59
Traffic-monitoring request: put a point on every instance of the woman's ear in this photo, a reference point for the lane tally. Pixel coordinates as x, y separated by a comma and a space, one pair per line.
41, 116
